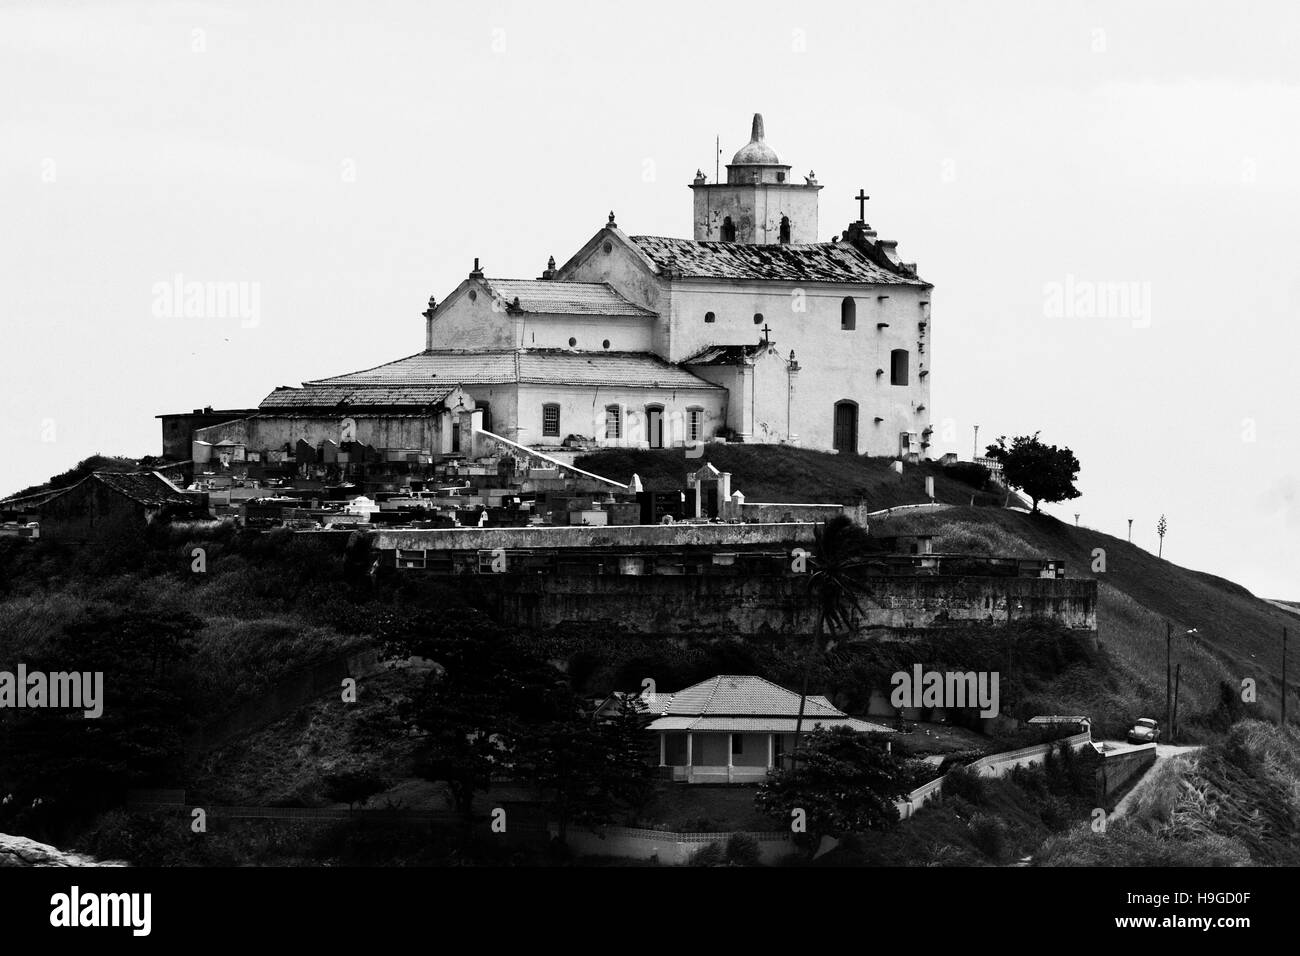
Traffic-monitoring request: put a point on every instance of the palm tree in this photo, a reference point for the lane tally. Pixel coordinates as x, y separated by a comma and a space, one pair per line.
836, 582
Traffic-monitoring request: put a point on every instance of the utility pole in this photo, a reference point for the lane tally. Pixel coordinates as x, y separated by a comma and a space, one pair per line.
974, 447
1130, 530
1284, 677
1173, 723
1169, 673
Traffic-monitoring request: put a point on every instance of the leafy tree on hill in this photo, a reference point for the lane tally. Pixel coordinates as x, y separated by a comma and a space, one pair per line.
1043, 472
844, 782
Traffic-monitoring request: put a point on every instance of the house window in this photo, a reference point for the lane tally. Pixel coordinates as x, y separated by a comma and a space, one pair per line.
785, 229
758, 318
728, 230
737, 744
898, 367
780, 177
694, 423
551, 420
710, 317
605, 344
572, 342
613, 421
848, 314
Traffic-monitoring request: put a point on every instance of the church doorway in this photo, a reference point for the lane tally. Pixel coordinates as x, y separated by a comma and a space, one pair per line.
486, 408
846, 427
654, 425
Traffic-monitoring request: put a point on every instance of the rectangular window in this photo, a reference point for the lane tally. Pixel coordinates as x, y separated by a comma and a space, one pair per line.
551, 420
694, 423
613, 421
898, 367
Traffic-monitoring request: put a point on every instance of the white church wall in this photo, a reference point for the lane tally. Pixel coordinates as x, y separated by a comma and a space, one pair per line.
583, 412
756, 211
608, 258
624, 333
836, 364
467, 320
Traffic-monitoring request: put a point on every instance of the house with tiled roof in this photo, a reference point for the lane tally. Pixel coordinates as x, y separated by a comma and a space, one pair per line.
756, 329
735, 729
108, 501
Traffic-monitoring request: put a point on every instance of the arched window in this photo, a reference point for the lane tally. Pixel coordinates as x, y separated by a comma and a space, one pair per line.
551, 420
848, 314
728, 230
613, 421
898, 367
785, 228
710, 317
486, 409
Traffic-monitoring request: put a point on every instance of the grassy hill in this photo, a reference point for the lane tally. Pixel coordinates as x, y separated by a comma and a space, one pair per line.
1237, 634
782, 473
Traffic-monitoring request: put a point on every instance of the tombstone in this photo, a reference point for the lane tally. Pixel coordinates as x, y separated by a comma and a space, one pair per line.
929, 487
329, 452
896, 467
304, 454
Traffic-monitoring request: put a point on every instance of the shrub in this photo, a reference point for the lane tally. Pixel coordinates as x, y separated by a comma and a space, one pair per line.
742, 850
965, 784
989, 834
968, 473
711, 854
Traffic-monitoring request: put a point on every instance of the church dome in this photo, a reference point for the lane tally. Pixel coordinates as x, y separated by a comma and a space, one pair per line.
756, 152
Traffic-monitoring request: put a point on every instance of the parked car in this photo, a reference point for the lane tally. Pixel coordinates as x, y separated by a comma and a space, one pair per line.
1145, 731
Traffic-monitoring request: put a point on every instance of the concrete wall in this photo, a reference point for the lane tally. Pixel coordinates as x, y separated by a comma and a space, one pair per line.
582, 412
271, 432
766, 512
671, 849
1121, 769
779, 605
625, 536
756, 210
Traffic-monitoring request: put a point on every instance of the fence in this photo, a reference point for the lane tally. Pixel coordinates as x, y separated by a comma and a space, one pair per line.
994, 765
666, 846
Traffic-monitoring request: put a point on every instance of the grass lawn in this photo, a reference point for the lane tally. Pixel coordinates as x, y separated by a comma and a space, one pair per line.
705, 808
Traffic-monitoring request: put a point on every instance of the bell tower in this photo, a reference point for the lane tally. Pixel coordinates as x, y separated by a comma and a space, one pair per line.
758, 204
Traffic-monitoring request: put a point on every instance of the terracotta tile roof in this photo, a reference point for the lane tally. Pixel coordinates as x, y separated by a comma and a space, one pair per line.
353, 396
812, 262
145, 487
768, 725
725, 354
528, 367
737, 696
565, 298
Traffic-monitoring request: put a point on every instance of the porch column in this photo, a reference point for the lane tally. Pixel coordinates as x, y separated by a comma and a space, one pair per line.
699, 506
731, 743
662, 748
771, 750
690, 762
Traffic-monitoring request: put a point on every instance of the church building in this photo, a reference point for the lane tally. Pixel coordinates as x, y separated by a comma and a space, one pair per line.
752, 330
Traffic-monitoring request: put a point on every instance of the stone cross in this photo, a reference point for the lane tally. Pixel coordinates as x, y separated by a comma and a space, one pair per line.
862, 198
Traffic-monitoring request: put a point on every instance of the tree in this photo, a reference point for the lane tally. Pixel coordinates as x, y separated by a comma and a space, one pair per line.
1043, 472
845, 782
837, 571
1161, 527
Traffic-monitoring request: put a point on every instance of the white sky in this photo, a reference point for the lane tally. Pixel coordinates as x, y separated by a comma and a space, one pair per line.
352, 159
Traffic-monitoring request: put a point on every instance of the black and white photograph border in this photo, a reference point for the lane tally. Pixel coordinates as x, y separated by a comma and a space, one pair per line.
730, 436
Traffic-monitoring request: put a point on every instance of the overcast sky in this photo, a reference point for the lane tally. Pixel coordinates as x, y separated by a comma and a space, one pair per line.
347, 161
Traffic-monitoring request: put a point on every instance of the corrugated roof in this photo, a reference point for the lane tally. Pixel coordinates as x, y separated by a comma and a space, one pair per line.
527, 366
565, 298
333, 396
811, 262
